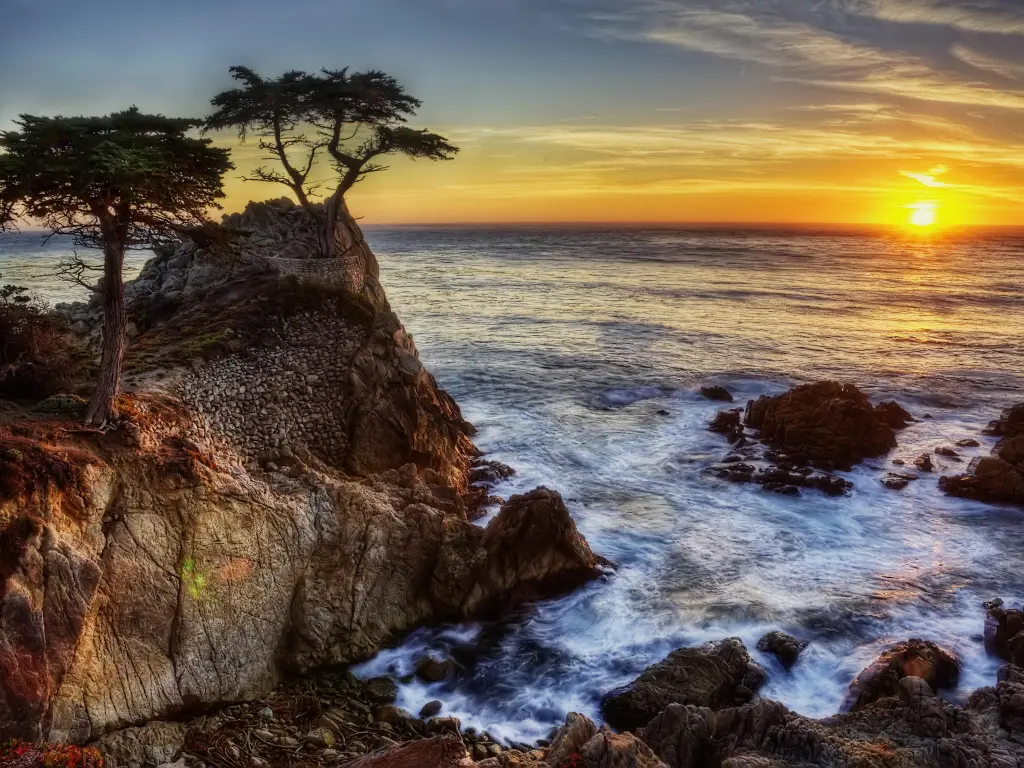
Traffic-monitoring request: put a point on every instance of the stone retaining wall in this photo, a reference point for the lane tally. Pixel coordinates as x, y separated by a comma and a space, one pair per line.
290, 395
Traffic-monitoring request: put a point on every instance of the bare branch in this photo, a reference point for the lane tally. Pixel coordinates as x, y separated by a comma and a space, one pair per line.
74, 269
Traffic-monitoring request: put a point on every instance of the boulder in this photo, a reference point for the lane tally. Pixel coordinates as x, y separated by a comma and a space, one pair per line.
828, 424
1004, 632
714, 675
618, 750
893, 414
913, 658
987, 479
149, 745
682, 736
782, 646
434, 670
728, 423
570, 738
716, 392
998, 478
444, 751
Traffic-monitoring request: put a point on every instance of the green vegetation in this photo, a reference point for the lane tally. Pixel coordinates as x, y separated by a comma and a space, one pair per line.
352, 118
122, 181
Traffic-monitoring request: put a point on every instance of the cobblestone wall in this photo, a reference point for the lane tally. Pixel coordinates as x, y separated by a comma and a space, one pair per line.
290, 396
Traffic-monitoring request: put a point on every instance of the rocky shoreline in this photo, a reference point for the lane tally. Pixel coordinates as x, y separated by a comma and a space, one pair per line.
289, 491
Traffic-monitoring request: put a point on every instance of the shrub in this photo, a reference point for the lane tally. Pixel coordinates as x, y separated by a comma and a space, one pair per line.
15, 754
37, 355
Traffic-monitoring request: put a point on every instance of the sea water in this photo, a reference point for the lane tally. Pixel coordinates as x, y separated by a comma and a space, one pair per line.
565, 347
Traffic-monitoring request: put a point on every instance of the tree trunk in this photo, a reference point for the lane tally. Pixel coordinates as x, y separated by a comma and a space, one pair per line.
102, 406
330, 221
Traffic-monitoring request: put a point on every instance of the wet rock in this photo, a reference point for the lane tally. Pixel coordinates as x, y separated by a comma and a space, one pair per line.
430, 709
577, 730
893, 414
1004, 633
897, 480
728, 423
490, 472
433, 670
708, 676
682, 736
717, 392
988, 479
924, 463
828, 424
969, 442
945, 450
998, 478
913, 658
783, 646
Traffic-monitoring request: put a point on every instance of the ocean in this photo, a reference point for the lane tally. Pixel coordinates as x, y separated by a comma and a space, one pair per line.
579, 353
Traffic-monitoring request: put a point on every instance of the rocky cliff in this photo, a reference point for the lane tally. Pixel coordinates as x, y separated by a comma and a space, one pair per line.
288, 489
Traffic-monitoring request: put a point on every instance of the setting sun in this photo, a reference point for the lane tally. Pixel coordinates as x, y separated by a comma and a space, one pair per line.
924, 214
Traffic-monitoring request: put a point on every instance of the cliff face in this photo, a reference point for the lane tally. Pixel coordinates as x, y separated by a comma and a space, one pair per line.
288, 489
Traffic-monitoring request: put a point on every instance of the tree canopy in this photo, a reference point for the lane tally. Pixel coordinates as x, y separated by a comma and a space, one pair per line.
350, 118
116, 182
73, 174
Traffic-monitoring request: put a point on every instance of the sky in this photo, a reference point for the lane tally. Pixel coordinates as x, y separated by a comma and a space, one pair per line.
828, 111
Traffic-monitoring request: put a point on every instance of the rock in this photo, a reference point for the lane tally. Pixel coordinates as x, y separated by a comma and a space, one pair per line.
430, 709
969, 442
571, 737
432, 670
266, 714
828, 424
444, 724
914, 658
892, 413
716, 392
897, 480
618, 750
945, 450
381, 690
444, 751
149, 745
490, 472
250, 579
682, 736
924, 463
783, 646
320, 738
998, 478
987, 479
390, 714
1004, 633
728, 423
707, 676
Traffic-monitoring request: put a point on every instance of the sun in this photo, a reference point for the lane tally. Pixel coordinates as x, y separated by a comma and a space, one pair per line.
923, 214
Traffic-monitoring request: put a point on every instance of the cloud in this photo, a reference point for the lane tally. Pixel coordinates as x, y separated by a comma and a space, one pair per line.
929, 179
1003, 68
995, 16
774, 34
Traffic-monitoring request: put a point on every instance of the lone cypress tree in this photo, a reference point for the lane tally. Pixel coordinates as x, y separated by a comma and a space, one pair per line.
127, 180
351, 118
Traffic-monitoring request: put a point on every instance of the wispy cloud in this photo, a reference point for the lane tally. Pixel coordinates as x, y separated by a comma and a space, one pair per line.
1009, 69
995, 16
796, 50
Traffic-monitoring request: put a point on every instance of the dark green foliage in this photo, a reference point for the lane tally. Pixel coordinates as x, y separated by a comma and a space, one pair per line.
37, 355
142, 171
352, 118
116, 182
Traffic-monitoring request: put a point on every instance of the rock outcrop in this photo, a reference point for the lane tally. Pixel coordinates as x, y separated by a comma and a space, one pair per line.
914, 658
827, 424
714, 675
1004, 632
998, 478
139, 585
783, 646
